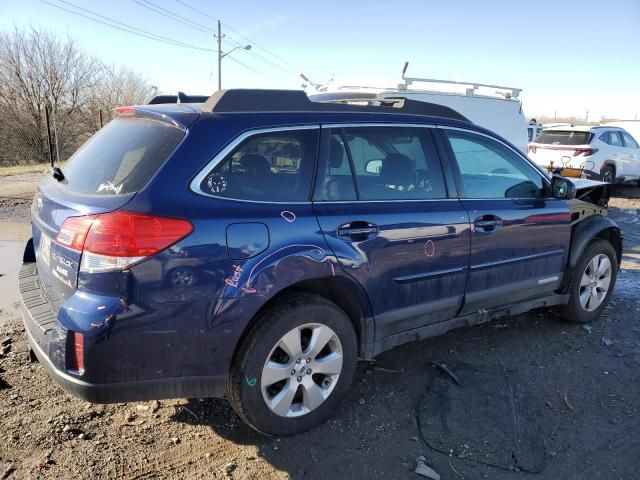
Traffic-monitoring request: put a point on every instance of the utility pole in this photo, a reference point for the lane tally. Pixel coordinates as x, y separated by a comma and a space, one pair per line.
587, 119
219, 55
46, 115
222, 55
55, 134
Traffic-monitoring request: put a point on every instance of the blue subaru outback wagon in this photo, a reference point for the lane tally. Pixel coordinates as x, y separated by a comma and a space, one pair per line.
255, 245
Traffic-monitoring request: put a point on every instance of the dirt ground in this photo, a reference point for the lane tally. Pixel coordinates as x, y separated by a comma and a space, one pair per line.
569, 393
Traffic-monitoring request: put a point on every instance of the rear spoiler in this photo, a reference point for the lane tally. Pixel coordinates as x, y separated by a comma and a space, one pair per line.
141, 111
181, 97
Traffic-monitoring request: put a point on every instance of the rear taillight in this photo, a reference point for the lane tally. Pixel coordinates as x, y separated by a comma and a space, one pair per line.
76, 352
584, 151
74, 231
113, 241
125, 110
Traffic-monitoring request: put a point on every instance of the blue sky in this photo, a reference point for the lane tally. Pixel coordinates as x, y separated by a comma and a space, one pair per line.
567, 56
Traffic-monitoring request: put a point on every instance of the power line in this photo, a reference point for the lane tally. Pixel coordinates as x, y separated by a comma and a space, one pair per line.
137, 31
260, 57
261, 48
196, 9
246, 66
125, 27
235, 42
201, 12
185, 21
170, 17
174, 16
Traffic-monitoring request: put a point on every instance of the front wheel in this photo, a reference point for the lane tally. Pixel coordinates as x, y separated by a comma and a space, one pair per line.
592, 283
609, 174
294, 366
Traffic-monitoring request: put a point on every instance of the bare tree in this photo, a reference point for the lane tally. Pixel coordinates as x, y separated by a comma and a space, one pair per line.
118, 86
39, 72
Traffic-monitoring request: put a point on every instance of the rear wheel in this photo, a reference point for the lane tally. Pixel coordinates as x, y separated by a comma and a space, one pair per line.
609, 174
592, 283
294, 366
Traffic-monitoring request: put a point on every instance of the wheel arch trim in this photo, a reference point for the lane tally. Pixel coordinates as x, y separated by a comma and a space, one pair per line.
583, 233
341, 290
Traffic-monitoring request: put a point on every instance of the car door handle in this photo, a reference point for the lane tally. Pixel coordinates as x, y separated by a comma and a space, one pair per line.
357, 230
487, 223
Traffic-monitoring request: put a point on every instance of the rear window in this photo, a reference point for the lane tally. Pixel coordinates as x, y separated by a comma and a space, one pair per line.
270, 167
558, 137
122, 157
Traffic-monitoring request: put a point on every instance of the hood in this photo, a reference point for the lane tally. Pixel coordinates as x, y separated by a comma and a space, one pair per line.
592, 191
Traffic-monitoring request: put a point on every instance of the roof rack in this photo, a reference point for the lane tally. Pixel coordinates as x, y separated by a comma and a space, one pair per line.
181, 97
506, 92
248, 100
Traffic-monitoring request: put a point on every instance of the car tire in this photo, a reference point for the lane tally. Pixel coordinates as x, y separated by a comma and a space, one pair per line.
590, 275
609, 174
309, 389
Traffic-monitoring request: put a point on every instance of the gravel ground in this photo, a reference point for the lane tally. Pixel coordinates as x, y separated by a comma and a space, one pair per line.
580, 382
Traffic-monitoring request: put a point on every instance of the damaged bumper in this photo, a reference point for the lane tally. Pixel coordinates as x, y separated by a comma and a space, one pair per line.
47, 341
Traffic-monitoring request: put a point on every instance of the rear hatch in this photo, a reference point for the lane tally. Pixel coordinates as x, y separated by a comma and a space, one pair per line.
568, 148
102, 176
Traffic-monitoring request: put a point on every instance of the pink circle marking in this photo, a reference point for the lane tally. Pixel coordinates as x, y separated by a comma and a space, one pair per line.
429, 248
288, 216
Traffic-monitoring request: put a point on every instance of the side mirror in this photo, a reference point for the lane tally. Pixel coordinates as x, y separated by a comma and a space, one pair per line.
562, 188
373, 166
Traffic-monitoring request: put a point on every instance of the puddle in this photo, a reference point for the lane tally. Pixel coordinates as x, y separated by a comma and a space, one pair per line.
12, 239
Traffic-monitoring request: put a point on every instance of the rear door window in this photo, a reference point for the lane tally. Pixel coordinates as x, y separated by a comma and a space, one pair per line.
122, 157
335, 182
389, 163
270, 167
564, 137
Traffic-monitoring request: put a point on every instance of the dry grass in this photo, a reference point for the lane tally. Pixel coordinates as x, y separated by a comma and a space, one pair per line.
21, 169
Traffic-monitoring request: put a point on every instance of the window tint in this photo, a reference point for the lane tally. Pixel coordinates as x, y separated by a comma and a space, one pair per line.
394, 163
614, 139
121, 157
275, 167
562, 137
491, 170
629, 142
604, 137
336, 184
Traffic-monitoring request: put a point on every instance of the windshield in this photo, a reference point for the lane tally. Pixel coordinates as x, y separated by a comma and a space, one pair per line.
121, 157
563, 137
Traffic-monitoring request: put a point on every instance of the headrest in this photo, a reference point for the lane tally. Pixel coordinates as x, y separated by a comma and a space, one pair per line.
397, 170
255, 165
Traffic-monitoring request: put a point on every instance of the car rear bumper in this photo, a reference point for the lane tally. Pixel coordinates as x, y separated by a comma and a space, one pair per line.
47, 340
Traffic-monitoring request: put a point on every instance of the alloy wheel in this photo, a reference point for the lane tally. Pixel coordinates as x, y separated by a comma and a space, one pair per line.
595, 281
302, 370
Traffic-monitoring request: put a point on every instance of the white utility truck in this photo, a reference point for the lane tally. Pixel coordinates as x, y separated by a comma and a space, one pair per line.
494, 107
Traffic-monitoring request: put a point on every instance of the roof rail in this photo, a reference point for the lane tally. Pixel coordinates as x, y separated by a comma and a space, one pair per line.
506, 92
181, 97
248, 100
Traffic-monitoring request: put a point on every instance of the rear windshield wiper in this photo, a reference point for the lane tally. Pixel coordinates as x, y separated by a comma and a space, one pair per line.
57, 174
